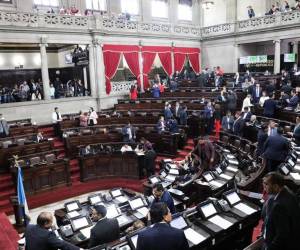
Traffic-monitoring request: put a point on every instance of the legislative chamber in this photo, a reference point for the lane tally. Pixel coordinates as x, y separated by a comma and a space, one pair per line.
149, 125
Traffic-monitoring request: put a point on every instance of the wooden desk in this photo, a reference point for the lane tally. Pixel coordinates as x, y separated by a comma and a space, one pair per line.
104, 165
6, 153
44, 177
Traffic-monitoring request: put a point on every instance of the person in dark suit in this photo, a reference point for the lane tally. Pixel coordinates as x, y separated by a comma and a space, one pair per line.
238, 125
128, 133
172, 125
275, 150
40, 236
209, 117
262, 136
167, 112
293, 101
183, 116
149, 159
105, 230
283, 99
270, 107
161, 236
227, 122
176, 111
256, 93
162, 195
296, 132
246, 114
231, 101
251, 12
282, 220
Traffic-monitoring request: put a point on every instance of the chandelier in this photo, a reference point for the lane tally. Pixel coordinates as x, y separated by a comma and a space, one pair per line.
207, 4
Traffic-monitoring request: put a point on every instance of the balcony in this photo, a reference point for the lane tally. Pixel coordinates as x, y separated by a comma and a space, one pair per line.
65, 23
258, 24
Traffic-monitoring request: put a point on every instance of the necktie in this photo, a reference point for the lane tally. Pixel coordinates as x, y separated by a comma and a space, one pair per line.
57, 116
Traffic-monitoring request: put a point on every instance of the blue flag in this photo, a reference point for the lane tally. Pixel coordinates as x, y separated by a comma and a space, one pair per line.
21, 192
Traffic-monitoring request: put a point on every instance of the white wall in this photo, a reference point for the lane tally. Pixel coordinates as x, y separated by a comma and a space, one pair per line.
216, 14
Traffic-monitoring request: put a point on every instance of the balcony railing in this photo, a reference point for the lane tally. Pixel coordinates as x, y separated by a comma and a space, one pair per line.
103, 24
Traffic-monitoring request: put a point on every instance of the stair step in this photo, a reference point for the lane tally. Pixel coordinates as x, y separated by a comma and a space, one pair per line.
6, 185
5, 178
4, 203
7, 193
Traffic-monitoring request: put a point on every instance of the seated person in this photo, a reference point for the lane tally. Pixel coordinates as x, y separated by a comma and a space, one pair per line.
126, 148
42, 238
39, 137
162, 195
106, 230
85, 150
253, 121
161, 236
155, 91
161, 125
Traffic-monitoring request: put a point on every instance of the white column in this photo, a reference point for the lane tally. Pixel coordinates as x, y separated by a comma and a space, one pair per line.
236, 58
44, 69
100, 72
92, 71
85, 83
295, 47
231, 11
277, 57
141, 69
172, 59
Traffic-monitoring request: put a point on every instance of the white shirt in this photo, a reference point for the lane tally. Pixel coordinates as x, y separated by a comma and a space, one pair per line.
262, 100
93, 116
54, 117
52, 91
246, 103
125, 149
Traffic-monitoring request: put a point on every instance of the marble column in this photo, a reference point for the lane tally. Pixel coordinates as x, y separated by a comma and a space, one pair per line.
44, 69
93, 87
236, 58
295, 50
277, 56
100, 72
231, 11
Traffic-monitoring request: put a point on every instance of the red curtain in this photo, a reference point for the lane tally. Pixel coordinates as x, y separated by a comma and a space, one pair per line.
166, 61
132, 59
148, 59
194, 60
111, 63
179, 60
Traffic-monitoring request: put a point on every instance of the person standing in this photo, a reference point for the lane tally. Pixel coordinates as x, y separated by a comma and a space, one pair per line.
41, 237
227, 122
162, 195
56, 119
149, 158
92, 117
161, 236
275, 150
270, 106
4, 128
282, 219
251, 12
128, 133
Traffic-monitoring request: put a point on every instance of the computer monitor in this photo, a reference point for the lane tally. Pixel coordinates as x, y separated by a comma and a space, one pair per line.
284, 169
179, 223
136, 203
291, 162
116, 192
207, 209
163, 173
72, 206
232, 197
154, 179
208, 177
174, 171
95, 199
112, 211
80, 223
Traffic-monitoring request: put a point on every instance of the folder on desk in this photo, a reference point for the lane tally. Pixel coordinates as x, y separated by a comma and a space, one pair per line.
86, 232
193, 236
245, 208
295, 176
221, 222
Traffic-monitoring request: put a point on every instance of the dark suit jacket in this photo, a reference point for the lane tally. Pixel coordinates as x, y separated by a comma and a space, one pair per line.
248, 116
262, 136
126, 135
183, 117
159, 127
162, 237
254, 97
176, 114
270, 107
282, 223
168, 114
38, 238
149, 159
166, 198
276, 148
296, 134
293, 102
105, 231
238, 127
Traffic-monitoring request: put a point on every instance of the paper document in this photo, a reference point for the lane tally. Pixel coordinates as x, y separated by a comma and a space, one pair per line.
193, 236
230, 156
234, 162
143, 210
172, 165
232, 169
86, 232
245, 208
121, 199
171, 178
122, 219
295, 176
221, 222
73, 214
225, 176
297, 167
216, 183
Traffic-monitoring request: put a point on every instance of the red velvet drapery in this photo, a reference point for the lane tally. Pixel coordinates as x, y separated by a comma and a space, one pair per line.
132, 59
148, 59
180, 54
111, 62
166, 61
